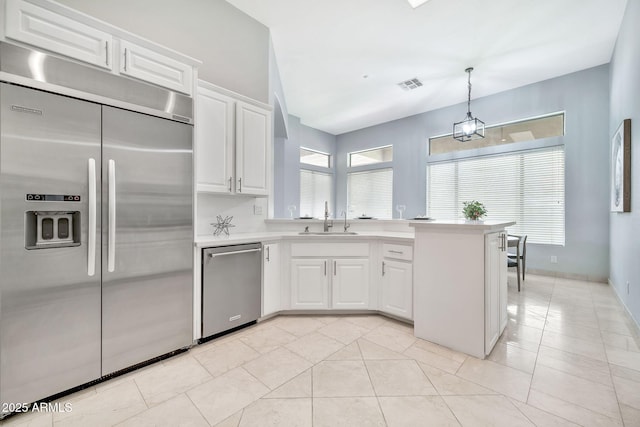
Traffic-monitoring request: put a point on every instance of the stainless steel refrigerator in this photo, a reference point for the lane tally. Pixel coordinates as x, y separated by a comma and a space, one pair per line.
96, 228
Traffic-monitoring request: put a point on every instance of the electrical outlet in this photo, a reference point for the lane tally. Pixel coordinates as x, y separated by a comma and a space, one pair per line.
257, 210
554, 259
627, 287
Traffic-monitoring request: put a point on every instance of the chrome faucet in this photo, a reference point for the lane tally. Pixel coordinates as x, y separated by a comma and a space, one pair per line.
346, 226
327, 224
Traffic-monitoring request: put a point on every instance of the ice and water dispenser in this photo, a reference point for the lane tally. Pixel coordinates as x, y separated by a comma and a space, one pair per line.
52, 229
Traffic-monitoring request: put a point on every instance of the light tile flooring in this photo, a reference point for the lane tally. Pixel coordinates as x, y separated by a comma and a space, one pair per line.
569, 356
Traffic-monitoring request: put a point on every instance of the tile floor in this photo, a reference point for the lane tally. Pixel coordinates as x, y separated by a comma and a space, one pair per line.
569, 356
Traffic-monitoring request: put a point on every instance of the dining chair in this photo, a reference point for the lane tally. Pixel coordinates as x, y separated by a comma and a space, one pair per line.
519, 258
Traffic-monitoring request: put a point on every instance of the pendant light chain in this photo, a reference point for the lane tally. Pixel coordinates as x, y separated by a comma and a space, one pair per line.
469, 70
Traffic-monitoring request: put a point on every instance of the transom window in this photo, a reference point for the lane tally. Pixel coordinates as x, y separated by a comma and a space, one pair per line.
372, 156
314, 158
508, 133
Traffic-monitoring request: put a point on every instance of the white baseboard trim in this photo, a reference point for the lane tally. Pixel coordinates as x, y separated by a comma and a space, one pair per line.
615, 291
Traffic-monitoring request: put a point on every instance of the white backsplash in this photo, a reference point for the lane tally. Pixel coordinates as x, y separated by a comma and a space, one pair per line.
240, 207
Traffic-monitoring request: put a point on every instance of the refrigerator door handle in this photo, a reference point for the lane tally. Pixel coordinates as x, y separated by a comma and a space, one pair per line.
111, 251
91, 256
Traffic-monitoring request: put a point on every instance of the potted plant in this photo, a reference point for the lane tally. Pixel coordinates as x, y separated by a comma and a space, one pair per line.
473, 210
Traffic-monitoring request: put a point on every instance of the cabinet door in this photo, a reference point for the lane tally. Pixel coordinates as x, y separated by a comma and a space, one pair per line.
253, 144
502, 274
145, 64
350, 281
214, 141
397, 288
271, 278
309, 283
43, 28
493, 249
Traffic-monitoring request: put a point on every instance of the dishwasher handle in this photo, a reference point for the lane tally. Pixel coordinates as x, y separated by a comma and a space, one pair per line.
234, 252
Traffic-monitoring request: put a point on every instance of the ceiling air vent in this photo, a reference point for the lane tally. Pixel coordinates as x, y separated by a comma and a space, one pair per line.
410, 84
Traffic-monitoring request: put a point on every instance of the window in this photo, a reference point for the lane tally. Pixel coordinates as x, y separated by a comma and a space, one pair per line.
370, 157
520, 131
370, 193
526, 187
315, 189
315, 158
316, 182
370, 182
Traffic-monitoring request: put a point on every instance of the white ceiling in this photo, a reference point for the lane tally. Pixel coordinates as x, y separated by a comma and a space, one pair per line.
325, 47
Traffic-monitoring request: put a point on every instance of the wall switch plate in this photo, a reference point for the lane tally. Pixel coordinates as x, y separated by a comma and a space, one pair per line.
627, 287
554, 259
257, 210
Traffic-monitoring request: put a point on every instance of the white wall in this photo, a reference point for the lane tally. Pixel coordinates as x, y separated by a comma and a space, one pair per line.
233, 47
625, 104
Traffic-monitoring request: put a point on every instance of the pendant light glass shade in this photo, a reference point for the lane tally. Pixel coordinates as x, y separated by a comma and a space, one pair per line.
471, 127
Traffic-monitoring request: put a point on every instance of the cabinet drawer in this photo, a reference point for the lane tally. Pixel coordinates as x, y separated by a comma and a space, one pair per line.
403, 252
330, 249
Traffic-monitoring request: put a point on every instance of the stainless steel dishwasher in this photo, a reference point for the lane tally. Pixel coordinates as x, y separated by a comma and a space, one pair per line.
231, 287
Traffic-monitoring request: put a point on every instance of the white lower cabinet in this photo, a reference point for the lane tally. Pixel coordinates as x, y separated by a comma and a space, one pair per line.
330, 276
271, 279
396, 293
350, 284
495, 292
309, 283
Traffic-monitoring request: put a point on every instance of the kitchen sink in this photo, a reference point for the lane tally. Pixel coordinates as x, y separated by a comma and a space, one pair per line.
328, 233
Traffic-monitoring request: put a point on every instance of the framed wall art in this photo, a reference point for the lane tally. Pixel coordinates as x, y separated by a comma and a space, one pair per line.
621, 168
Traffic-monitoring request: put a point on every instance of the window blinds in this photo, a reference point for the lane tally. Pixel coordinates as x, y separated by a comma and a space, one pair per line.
315, 189
370, 193
526, 187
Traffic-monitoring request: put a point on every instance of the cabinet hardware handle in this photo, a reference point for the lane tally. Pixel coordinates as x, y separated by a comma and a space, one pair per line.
91, 242
125, 59
268, 254
383, 268
111, 237
230, 179
325, 268
396, 252
246, 251
240, 181
106, 49
334, 267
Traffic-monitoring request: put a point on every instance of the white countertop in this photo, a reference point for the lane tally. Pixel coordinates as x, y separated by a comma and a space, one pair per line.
206, 241
463, 226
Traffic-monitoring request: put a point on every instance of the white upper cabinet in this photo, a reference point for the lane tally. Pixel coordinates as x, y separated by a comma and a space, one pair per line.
145, 64
215, 141
233, 144
65, 31
40, 27
253, 136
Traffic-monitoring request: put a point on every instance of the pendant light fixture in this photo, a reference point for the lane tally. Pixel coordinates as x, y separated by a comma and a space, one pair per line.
471, 127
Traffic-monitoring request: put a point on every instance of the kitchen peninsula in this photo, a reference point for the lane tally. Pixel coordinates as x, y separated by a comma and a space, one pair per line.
460, 284
450, 279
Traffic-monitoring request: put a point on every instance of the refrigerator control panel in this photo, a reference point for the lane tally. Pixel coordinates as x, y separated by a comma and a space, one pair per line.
52, 197
52, 229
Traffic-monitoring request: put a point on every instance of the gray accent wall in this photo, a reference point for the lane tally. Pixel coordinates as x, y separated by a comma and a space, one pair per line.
583, 96
625, 104
287, 163
233, 47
